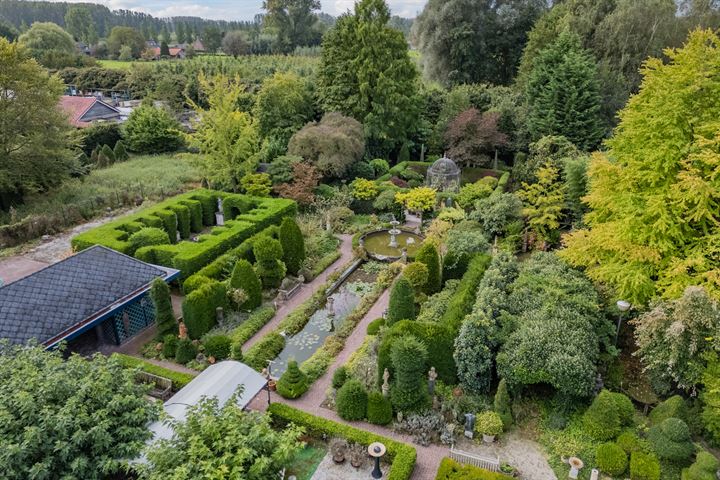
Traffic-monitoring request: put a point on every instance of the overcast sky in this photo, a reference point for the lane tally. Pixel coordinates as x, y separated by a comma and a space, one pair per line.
239, 9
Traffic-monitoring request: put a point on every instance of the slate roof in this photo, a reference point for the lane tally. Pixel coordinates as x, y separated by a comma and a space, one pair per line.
64, 295
75, 107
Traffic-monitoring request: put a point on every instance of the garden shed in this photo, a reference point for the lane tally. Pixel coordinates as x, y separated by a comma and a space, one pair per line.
93, 298
444, 175
220, 381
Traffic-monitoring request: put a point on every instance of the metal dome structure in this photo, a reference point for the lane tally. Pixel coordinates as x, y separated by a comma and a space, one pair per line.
444, 175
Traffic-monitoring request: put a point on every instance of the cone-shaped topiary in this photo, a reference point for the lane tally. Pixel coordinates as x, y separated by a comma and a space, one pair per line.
428, 254
339, 377
409, 357
501, 404
109, 154
379, 409
236, 351
269, 267
352, 401
293, 245
293, 382
402, 302
95, 156
244, 277
120, 153
185, 351
164, 314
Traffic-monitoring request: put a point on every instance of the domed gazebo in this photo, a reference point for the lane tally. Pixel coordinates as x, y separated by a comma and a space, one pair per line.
444, 175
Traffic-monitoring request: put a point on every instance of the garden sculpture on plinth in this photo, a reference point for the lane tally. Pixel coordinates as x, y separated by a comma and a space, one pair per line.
386, 384
469, 424
432, 377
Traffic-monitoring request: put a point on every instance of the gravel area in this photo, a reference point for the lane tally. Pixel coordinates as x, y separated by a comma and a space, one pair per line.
329, 470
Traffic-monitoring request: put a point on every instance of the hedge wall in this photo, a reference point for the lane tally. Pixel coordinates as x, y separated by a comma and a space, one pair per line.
185, 213
264, 350
179, 379
403, 456
463, 300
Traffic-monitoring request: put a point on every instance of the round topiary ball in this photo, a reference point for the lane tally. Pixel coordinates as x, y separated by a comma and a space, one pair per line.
611, 459
352, 401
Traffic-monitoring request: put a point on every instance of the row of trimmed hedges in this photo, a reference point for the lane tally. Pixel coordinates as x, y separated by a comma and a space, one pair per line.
257, 319
403, 456
246, 217
463, 300
268, 348
179, 379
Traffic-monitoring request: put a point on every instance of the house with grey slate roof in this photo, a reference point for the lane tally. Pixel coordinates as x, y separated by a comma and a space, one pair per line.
97, 296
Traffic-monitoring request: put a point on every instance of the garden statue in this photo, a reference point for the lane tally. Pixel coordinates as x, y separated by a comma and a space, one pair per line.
432, 377
404, 254
219, 216
469, 424
220, 316
386, 384
182, 330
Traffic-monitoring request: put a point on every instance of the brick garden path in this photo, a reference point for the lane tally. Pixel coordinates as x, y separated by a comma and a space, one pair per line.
428, 458
305, 291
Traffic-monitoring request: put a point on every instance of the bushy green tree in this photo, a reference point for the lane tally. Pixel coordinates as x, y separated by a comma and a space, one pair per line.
496, 212
217, 346
81, 25
235, 44
428, 254
294, 23
226, 136
151, 130
283, 106
652, 197
352, 401
293, 245
34, 147
76, 416
256, 184
47, 36
269, 267
563, 94
293, 382
409, 361
474, 351
543, 204
185, 351
8, 31
265, 450
164, 314
366, 73
673, 337
244, 277
125, 37
402, 302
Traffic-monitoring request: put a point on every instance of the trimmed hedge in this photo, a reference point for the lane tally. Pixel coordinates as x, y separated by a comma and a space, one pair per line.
199, 308
463, 300
403, 456
189, 257
379, 409
452, 470
266, 349
252, 325
179, 380
148, 236
217, 346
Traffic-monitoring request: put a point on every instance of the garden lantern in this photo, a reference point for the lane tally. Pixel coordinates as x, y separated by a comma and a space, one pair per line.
623, 306
376, 450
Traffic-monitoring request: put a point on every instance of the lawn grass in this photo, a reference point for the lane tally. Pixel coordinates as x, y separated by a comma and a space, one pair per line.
147, 176
306, 462
116, 64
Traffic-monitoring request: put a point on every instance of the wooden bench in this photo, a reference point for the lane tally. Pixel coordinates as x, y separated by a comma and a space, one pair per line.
161, 386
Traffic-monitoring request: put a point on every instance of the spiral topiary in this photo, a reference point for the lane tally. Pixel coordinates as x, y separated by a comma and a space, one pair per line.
293, 382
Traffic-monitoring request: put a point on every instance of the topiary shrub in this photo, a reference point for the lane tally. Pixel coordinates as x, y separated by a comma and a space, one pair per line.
108, 153
185, 351
339, 377
489, 423
607, 415
148, 236
379, 409
119, 151
244, 278
269, 267
630, 442
704, 468
374, 327
673, 407
611, 459
293, 245
644, 466
236, 351
380, 166
293, 382
200, 308
409, 358
170, 342
428, 254
402, 302
352, 401
217, 346
162, 304
417, 274
502, 404
671, 441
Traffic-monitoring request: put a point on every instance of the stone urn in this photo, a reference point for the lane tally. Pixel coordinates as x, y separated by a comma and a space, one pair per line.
338, 449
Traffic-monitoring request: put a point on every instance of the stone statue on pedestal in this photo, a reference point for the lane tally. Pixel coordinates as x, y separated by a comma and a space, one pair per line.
386, 384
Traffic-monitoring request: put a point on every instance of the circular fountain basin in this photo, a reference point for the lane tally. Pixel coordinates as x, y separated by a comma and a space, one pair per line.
377, 244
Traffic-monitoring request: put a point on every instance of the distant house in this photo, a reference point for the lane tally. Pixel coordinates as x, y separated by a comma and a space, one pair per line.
152, 44
96, 297
175, 52
198, 46
83, 111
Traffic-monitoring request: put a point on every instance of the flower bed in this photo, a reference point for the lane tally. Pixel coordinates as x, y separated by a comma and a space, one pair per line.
403, 456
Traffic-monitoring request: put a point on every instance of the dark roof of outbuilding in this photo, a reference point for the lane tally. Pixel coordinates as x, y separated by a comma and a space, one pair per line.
61, 296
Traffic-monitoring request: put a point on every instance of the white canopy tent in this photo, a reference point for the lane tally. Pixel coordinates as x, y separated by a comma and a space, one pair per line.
220, 380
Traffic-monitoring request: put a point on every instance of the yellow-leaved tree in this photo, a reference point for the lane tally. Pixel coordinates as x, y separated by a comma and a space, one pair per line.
543, 203
654, 196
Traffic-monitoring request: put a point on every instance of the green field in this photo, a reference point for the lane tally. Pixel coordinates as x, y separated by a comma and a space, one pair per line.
116, 64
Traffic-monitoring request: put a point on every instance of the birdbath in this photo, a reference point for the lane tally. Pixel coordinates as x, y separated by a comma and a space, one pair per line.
575, 465
376, 450
394, 232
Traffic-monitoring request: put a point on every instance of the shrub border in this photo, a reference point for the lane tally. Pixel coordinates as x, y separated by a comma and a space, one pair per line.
179, 379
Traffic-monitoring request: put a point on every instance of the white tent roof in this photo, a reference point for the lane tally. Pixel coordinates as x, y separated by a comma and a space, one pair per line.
220, 380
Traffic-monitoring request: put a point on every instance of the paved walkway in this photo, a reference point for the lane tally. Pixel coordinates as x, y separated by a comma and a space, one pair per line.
16, 267
305, 291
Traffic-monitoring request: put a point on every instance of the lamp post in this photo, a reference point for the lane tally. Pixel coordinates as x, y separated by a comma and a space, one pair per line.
376, 450
623, 306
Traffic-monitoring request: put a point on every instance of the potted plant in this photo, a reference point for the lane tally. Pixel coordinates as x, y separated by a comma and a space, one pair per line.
489, 424
338, 448
358, 454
